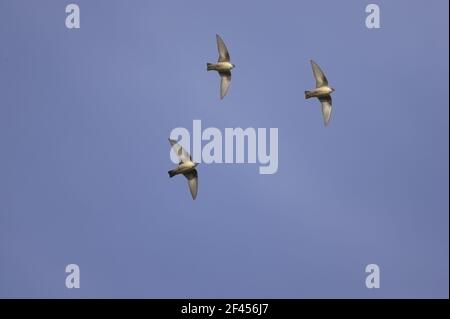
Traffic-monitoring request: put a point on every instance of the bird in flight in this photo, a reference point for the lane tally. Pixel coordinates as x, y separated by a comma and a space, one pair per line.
186, 167
223, 66
322, 92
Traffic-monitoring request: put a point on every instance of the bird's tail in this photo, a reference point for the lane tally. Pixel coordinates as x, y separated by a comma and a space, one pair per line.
308, 94
209, 67
172, 173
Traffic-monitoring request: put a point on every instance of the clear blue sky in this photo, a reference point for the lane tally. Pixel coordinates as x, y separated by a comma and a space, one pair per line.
85, 116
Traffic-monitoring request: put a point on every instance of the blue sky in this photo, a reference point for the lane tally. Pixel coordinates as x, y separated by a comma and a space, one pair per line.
85, 116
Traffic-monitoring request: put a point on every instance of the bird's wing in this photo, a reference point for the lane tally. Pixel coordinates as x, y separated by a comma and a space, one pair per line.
321, 79
225, 81
192, 178
180, 151
326, 108
224, 56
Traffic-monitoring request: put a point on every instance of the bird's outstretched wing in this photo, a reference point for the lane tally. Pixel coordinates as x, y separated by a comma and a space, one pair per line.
326, 108
180, 151
321, 79
225, 81
224, 56
192, 178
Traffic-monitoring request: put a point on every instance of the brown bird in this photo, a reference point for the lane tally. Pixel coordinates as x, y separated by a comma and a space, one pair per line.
223, 66
186, 167
322, 92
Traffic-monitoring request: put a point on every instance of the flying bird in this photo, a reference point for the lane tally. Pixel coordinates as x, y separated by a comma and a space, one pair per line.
223, 66
322, 92
186, 167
